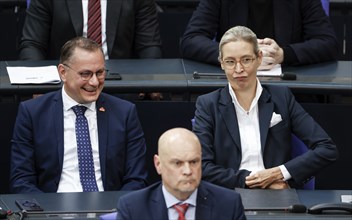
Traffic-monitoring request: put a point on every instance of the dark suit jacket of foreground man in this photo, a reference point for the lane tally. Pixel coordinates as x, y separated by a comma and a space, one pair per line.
38, 145
213, 202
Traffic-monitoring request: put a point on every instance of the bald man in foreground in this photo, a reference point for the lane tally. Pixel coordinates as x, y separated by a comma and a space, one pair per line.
181, 194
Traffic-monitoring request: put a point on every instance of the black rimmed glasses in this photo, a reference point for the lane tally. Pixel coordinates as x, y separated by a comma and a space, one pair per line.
87, 75
231, 64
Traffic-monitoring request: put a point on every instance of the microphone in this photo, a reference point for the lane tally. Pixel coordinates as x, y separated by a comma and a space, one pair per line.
288, 76
198, 75
297, 208
25, 212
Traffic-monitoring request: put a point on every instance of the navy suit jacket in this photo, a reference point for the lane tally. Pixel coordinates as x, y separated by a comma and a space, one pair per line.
132, 28
38, 145
213, 202
216, 126
302, 25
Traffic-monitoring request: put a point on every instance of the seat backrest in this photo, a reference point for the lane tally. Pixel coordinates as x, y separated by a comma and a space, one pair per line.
326, 5
298, 148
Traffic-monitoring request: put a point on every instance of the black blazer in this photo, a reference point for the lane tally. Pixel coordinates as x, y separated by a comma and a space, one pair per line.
149, 203
132, 28
217, 128
301, 25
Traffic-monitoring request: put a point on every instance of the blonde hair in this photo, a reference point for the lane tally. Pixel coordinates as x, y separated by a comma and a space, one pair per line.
239, 33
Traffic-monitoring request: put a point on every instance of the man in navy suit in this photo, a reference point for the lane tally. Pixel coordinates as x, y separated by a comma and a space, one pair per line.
130, 29
290, 32
245, 128
44, 154
179, 164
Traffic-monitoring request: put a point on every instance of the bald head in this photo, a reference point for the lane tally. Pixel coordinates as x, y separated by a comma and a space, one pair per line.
176, 138
179, 162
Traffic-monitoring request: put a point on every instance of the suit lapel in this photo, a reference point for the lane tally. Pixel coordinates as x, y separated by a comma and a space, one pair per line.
57, 110
112, 18
266, 109
158, 204
103, 131
228, 113
204, 208
282, 20
76, 14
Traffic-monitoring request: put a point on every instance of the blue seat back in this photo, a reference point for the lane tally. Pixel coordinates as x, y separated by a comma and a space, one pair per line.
298, 148
326, 6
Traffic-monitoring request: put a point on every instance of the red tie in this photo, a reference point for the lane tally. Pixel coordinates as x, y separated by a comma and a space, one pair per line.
181, 209
94, 21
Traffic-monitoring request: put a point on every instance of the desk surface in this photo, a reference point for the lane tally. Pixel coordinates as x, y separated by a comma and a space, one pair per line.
107, 201
137, 75
176, 75
330, 77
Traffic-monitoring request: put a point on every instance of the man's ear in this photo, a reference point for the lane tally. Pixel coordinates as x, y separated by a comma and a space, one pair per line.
62, 71
157, 164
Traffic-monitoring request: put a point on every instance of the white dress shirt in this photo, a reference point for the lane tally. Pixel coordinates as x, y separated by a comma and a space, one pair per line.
248, 124
70, 180
172, 200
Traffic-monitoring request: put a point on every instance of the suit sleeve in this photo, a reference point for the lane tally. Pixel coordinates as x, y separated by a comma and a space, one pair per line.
36, 31
198, 41
122, 209
23, 178
147, 35
322, 150
319, 42
135, 170
238, 208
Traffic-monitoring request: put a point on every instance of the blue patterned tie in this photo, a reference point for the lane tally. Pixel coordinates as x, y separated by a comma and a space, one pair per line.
84, 150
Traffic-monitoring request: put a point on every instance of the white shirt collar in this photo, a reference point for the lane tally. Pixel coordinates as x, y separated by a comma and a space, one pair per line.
68, 102
172, 200
258, 93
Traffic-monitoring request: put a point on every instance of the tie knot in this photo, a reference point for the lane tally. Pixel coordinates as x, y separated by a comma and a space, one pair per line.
79, 109
181, 208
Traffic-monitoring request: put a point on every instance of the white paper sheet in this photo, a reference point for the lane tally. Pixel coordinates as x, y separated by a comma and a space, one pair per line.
275, 71
346, 198
33, 75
